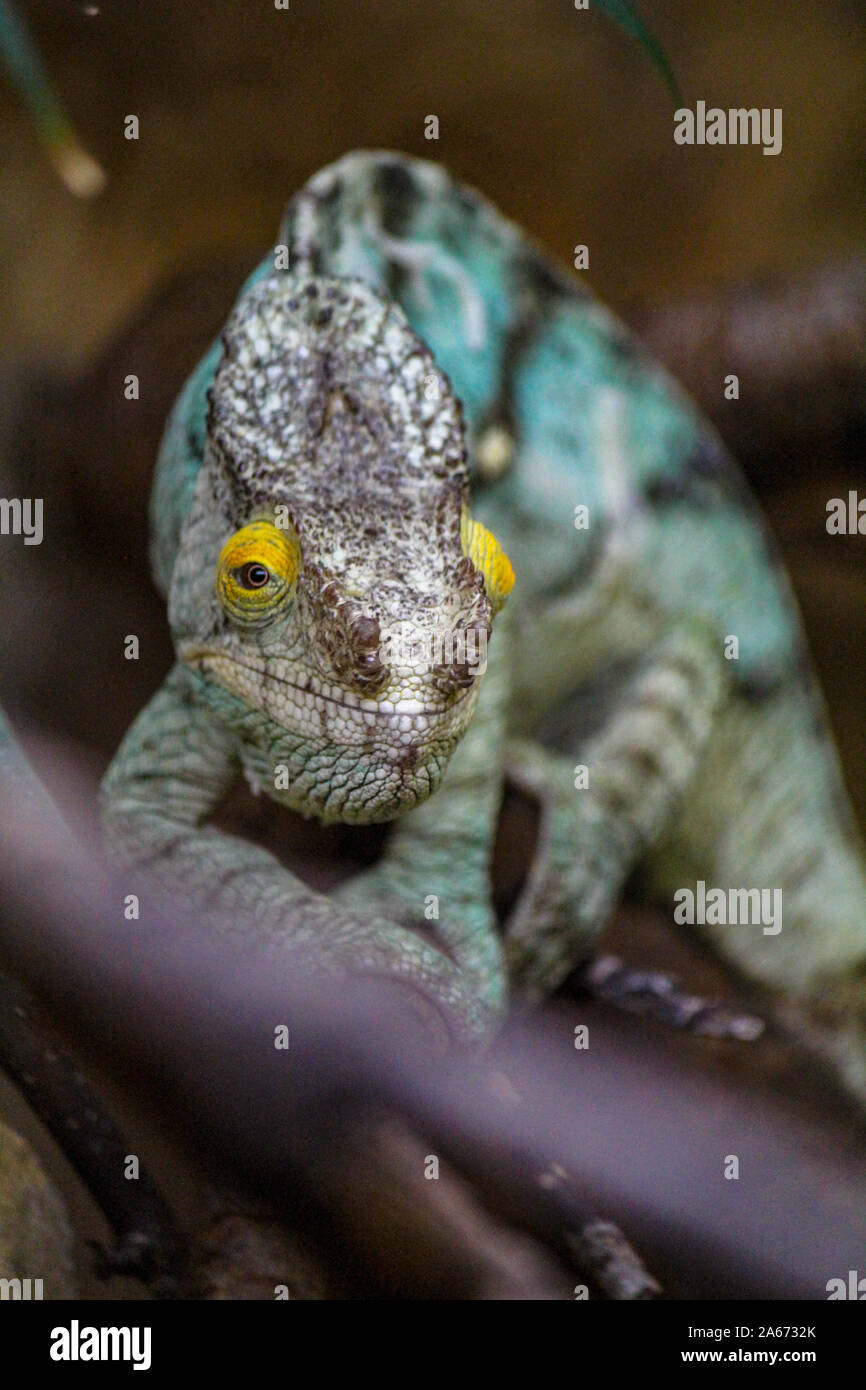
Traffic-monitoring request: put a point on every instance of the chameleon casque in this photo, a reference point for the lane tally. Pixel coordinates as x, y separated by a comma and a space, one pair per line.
333, 588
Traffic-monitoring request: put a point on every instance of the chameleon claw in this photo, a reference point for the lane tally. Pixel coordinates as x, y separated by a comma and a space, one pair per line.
616, 1267
658, 996
597, 1247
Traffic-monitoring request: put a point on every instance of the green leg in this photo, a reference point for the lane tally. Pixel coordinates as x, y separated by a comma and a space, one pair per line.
769, 812
174, 766
638, 767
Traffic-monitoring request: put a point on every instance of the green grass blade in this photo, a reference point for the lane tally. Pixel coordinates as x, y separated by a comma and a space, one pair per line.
78, 170
623, 14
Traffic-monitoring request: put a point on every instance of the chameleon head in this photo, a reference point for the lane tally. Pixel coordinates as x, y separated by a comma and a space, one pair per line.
331, 588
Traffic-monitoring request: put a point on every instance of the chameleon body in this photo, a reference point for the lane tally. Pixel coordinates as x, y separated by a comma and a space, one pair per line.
403, 380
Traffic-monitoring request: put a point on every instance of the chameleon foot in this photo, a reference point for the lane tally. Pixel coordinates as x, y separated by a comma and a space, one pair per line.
657, 995
602, 1249
596, 1247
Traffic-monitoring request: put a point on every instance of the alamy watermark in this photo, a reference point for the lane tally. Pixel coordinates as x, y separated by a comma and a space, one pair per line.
847, 517
408, 647
854, 1287
77, 1343
729, 907
739, 125
21, 1290
22, 516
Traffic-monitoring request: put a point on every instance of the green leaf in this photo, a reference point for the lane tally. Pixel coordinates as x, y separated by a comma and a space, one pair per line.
623, 14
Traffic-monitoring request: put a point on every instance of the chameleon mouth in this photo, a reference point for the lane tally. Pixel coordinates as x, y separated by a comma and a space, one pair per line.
339, 757
312, 692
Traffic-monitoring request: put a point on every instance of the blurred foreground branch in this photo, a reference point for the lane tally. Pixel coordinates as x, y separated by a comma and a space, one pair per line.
545, 1133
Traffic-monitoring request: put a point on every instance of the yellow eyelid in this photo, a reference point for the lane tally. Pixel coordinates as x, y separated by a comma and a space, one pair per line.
266, 544
262, 543
488, 557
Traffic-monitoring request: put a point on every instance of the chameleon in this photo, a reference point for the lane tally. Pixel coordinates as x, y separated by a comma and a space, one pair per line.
430, 523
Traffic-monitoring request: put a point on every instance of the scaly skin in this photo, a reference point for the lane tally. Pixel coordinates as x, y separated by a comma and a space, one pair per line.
333, 432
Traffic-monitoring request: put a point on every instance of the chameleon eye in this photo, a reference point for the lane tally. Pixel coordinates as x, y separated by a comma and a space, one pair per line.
488, 557
253, 576
257, 571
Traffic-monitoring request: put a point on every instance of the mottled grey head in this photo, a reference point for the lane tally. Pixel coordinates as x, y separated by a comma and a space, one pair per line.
329, 575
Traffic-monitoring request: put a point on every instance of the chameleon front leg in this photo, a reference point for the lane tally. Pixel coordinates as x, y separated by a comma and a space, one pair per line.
435, 870
595, 825
174, 766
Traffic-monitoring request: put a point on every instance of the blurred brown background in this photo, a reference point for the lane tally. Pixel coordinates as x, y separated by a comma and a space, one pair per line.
563, 122
557, 115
